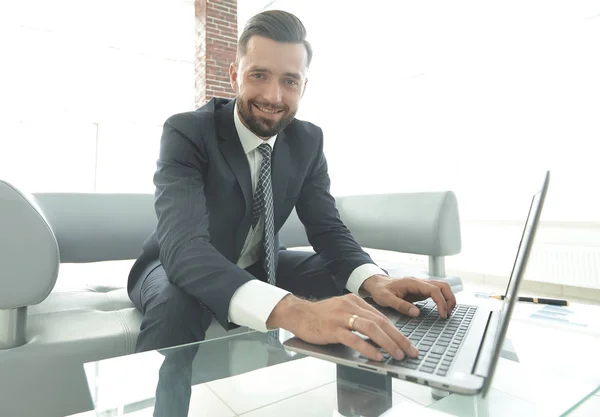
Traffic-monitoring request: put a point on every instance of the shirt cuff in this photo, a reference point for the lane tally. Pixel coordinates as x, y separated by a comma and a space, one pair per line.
253, 302
360, 275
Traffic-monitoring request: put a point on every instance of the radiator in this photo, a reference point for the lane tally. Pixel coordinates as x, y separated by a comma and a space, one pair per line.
562, 264
574, 265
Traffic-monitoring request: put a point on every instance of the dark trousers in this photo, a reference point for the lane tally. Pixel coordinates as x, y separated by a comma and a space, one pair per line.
171, 317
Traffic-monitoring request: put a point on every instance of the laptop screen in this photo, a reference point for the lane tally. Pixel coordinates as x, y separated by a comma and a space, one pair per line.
518, 272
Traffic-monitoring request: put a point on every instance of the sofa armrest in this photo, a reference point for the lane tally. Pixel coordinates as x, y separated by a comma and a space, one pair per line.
29, 253
96, 227
417, 223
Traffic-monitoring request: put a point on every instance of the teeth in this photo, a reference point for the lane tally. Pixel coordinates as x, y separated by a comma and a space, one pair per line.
267, 110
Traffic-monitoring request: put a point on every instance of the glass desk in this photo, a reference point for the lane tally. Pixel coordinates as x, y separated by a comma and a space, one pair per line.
252, 375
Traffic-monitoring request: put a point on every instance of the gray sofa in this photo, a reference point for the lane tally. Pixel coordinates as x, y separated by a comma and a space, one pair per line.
47, 332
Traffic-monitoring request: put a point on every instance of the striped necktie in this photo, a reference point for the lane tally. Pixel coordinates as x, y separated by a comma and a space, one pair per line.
263, 205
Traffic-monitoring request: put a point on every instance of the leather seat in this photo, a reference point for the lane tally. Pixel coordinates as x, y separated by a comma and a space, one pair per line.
65, 259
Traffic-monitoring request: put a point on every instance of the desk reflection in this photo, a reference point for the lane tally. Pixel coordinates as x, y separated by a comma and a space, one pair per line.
358, 393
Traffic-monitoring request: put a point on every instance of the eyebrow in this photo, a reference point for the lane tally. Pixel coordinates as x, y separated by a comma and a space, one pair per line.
258, 69
293, 75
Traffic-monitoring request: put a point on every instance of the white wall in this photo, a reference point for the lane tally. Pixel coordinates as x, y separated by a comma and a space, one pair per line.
476, 97
473, 96
86, 89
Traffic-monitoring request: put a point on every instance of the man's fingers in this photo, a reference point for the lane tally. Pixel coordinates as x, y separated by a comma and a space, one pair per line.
376, 334
401, 305
400, 341
384, 334
429, 290
440, 301
366, 306
446, 292
396, 344
359, 344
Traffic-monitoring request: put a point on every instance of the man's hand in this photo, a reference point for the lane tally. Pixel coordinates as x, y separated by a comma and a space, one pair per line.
400, 293
328, 321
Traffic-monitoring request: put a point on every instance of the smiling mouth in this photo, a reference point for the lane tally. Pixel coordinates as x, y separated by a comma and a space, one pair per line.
267, 109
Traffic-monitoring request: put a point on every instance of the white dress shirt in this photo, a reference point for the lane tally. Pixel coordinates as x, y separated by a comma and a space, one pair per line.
253, 302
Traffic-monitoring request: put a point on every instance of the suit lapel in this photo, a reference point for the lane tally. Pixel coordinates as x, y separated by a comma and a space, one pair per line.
280, 166
232, 151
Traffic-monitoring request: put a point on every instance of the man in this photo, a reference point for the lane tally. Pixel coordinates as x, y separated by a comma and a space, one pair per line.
227, 178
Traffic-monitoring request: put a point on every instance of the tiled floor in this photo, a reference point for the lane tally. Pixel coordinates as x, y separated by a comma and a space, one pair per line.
266, 386
293, 390
300, 398
284, 392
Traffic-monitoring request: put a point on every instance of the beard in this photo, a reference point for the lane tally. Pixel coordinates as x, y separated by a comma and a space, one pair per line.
262, 126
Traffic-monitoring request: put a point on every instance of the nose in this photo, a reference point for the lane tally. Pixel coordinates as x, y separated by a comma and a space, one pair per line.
272, 92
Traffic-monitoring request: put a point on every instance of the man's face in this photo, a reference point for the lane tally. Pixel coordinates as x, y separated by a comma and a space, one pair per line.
269, 81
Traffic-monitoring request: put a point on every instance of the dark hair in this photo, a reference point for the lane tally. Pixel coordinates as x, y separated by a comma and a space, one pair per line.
277, 25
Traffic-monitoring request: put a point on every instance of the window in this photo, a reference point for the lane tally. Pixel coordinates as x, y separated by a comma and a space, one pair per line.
475, 97
87, 90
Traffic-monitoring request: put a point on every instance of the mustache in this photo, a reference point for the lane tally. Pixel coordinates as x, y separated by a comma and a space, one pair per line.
269, 105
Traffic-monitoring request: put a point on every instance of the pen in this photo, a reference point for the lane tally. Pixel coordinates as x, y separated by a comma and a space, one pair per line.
536, 300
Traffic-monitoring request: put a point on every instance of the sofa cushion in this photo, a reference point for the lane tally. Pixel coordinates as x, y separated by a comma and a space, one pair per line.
90, 310
89, 317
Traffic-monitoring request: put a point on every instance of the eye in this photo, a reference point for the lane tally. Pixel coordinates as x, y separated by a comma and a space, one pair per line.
291, 82
257, 75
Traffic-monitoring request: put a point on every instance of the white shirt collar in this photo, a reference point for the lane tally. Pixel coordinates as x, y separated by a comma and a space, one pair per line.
249, 140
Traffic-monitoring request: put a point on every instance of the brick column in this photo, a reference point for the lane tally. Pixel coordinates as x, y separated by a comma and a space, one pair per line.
216, 43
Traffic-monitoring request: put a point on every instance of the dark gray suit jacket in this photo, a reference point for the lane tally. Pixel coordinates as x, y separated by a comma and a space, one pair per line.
204, 204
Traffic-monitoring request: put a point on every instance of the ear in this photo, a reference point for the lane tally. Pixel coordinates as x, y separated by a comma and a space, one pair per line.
233, 76
304, 89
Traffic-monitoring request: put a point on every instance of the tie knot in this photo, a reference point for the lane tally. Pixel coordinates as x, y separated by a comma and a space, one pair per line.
265, 150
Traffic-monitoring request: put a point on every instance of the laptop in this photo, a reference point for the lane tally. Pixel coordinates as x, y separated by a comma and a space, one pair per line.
458, 354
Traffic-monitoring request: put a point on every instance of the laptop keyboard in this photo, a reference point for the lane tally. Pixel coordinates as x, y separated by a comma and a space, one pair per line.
437, 339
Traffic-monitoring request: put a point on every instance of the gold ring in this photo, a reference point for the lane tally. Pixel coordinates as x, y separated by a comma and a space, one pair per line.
351, 322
